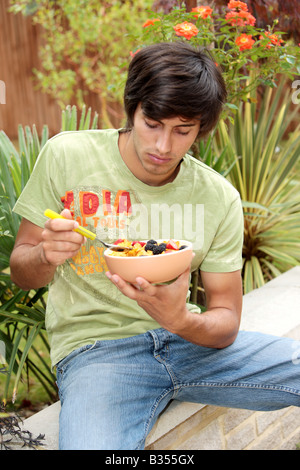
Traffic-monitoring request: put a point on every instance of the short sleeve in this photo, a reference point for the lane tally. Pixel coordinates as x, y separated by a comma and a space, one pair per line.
43, 189
225, 252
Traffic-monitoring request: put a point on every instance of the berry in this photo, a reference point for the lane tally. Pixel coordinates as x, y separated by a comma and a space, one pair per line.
171, 245
120, 240
163, 245
158, 249
150, 245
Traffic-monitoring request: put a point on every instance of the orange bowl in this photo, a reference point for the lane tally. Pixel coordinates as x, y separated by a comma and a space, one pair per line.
155, 269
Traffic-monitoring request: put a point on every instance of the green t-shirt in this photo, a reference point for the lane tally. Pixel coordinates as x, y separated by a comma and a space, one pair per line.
84, 171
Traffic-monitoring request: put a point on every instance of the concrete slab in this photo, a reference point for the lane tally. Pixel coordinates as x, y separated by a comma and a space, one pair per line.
45, 422
275, 307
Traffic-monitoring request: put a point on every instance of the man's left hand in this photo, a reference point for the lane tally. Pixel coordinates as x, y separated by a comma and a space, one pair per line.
165, 303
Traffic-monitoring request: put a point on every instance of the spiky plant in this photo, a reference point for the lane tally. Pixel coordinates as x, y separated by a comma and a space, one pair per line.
265, 174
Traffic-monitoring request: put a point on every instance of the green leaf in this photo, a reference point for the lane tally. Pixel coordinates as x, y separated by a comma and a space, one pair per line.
13, 359
29, 342
256, 205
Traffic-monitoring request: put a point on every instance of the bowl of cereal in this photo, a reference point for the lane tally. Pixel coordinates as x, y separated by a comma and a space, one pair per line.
156, 261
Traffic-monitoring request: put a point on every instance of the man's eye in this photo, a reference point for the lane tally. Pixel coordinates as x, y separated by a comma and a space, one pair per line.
150, 125
182, 132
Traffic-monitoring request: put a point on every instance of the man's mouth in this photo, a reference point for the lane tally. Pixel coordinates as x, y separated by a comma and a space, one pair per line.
158, 159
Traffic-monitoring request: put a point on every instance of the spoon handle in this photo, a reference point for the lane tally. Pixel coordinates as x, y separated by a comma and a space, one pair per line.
83, 231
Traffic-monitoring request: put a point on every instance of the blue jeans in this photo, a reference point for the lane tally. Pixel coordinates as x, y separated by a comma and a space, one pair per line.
113, 391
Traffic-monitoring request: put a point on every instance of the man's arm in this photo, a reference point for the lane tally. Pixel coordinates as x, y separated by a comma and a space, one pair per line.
224, 296
38, 251
215, 328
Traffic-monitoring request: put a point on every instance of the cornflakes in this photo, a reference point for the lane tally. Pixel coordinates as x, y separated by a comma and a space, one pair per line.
149, 248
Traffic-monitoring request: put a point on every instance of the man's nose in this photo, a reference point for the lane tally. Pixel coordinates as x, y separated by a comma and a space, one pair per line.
164, 143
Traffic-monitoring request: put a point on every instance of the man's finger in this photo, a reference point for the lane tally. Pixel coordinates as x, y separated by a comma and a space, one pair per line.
146, 286
127, 289
60, 225
66, 214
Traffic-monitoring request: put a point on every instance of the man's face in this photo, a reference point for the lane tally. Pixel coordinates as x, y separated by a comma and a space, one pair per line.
158, 146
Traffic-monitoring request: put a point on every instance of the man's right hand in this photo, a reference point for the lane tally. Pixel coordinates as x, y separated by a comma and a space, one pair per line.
59, 241
38, 251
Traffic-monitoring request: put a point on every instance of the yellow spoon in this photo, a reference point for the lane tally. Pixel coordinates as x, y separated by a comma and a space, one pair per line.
85, 232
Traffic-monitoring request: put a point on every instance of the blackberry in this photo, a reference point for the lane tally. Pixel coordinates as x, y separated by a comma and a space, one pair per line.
182, 247
163, 246
150, 245
158, 249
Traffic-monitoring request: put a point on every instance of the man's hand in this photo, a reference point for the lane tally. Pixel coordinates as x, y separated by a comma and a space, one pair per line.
165, 303
59, 241
38, 251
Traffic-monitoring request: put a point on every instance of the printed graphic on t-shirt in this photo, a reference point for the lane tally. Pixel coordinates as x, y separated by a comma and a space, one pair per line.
118, 214
102, 212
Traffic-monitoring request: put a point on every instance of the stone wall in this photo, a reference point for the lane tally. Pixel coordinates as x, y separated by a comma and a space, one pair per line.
214, 428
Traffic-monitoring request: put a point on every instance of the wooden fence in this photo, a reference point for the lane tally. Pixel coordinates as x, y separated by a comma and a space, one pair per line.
23, 103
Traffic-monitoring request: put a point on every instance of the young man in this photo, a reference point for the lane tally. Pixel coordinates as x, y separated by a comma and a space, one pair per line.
123, 351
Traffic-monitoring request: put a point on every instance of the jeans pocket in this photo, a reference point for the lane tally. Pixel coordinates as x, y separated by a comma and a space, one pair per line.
62, 366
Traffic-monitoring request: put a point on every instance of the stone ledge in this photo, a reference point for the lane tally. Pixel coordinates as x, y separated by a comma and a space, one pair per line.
273, 309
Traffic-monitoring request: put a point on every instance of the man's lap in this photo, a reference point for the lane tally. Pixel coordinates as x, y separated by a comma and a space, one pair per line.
112, 392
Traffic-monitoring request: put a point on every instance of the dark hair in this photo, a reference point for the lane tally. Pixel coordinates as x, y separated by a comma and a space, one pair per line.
175, 79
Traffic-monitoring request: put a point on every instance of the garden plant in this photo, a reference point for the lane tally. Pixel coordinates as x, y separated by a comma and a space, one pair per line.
76, 59
85, 49
264, 172
247, 55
